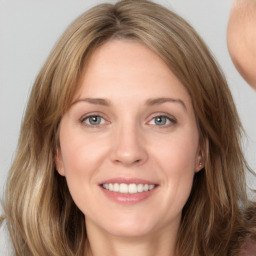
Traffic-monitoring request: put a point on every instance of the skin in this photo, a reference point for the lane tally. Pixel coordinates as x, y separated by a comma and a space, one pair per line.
248, 248
241, 38
129, 143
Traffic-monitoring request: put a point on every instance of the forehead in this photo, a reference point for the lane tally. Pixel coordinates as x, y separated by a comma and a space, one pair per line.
129, 67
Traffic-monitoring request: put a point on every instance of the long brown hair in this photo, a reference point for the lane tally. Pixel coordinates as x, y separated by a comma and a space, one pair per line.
41, 215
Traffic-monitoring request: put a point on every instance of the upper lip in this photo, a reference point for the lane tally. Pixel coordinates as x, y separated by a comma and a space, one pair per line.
120, 180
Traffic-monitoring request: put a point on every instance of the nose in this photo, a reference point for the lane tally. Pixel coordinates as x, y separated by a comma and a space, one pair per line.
129, 147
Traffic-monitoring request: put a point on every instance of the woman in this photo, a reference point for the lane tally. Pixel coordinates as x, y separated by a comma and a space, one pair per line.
130, 143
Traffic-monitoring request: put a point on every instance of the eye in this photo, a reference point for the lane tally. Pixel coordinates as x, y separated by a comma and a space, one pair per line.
162, 120
94, 120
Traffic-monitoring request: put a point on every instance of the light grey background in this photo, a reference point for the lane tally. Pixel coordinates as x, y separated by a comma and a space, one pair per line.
30, 28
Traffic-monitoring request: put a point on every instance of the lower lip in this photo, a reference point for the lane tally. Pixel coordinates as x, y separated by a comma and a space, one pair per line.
124, 198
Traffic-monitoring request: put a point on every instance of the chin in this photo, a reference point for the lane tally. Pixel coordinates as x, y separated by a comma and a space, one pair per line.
131, 231
135, 226
125, 226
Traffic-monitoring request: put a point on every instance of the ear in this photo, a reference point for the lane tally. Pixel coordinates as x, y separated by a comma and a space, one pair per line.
201, 156
59, 162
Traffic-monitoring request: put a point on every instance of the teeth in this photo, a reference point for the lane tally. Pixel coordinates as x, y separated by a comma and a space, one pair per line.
105, 186
123, 188
110, 187
140, 188
133, 189
150, 187
128, 188
116, 187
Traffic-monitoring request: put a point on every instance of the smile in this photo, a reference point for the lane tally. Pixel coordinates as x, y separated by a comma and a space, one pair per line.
128, 188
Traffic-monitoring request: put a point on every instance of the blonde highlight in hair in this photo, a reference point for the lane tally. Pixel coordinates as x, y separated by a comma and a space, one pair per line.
41, 216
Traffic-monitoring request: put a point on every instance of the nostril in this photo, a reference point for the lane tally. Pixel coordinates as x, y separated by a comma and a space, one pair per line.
128, 153
128, 161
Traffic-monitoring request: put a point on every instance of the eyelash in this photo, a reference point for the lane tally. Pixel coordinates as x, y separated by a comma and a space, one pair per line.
169, 119
84, 119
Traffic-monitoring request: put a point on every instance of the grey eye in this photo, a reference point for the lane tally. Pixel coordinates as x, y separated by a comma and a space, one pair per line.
161, 120
94, 120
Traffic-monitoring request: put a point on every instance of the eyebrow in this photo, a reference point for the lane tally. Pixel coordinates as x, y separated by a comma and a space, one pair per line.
158, 101
149, 102
94, 101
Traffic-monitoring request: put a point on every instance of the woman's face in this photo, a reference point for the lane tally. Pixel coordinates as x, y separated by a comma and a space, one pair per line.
131, 129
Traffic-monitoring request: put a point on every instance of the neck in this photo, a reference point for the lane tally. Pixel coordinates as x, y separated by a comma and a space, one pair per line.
160, 244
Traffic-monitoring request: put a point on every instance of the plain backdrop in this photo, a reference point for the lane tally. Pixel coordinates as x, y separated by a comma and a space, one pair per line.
30, 28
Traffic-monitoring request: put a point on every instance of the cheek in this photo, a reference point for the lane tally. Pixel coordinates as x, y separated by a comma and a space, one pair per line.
178, 154
179, 166
80, 152
81, 158
178, 158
